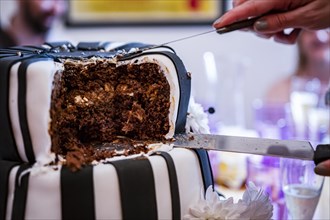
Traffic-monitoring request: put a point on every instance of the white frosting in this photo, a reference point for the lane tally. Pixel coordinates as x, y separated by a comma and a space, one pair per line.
44, 195
11, 190
107, 193
189, 177
40, 75
152, 148
163, 191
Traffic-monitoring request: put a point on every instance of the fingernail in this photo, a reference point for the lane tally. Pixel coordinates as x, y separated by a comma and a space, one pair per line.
217, 21
264, 36
261, 25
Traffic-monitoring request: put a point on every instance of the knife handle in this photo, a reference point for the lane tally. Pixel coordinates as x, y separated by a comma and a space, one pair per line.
321, 153
238, 25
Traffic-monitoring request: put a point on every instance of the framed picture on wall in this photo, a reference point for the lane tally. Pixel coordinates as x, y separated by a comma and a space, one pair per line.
143, 12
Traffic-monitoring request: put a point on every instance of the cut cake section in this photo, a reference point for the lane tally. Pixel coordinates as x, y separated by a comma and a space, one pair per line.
97, 101
38, 105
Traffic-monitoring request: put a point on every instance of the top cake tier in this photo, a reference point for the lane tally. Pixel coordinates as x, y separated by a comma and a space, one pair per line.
65, 101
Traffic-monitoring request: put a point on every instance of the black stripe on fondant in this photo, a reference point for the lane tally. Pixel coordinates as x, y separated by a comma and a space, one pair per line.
8, 148
95, 46
29, 49
205, 166
77, 194
185, 84
137, 188
22, 103
21, 192
131, 45
2, 55
174, 186
5, 168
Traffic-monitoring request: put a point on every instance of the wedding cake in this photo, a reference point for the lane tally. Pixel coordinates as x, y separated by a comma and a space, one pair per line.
86, 133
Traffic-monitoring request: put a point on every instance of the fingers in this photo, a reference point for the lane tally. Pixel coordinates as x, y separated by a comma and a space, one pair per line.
290, 38
265, 36
238, 2
277, 22
323, 168
281, 36
244, 10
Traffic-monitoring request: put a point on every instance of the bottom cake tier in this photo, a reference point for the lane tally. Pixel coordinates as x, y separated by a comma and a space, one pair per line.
162, 186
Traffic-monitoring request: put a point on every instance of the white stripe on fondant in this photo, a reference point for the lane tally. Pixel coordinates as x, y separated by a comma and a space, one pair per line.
162, 186
189, 177
11, 191
106, 189
40, 79
44, 195
13, 110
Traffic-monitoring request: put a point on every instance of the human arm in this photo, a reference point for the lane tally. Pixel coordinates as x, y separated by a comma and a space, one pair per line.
279, 15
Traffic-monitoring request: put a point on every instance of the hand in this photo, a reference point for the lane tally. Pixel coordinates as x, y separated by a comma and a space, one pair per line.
323, 168
281, 14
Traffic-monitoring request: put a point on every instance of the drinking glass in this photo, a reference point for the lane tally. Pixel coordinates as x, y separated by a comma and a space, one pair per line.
264, 172
301, 187
273, 120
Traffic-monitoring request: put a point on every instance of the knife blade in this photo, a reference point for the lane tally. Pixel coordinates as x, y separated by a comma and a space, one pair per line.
261, 146
226, 29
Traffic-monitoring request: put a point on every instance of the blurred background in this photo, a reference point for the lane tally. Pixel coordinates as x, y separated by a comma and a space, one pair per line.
247, 85
255, 62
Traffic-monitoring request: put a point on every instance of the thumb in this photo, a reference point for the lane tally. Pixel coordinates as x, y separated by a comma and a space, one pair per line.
277, 22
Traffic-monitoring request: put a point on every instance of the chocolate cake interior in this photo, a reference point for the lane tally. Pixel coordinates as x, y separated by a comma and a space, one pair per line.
95, 102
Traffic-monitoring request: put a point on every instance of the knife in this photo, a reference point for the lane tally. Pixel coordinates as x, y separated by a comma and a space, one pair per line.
267, 147
226, 29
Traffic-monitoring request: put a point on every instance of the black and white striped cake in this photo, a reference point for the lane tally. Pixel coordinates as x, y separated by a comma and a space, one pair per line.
36, 181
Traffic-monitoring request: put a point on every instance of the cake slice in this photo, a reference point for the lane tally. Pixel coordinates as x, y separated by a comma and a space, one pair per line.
72, 102
98, 101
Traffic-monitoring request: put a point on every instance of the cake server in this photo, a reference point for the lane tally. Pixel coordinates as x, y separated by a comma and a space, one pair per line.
268, 147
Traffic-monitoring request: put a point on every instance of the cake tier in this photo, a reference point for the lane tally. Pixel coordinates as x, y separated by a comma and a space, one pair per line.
26, 87
161, 186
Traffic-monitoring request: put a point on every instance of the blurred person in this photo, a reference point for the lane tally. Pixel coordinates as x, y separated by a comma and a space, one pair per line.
313, 63
276, 16
31, 22
296, 14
